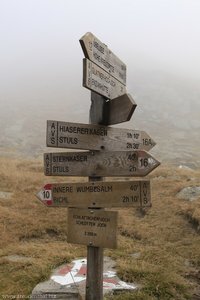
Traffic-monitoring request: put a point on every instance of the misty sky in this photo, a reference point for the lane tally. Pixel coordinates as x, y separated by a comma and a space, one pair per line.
40, 55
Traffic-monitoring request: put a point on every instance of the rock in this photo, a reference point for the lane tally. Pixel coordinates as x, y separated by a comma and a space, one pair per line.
18, 258
5, 195
189, 193
70, 280
52, 290
136, 255
183, 167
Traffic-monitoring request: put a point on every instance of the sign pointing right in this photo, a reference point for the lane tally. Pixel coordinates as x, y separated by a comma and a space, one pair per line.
115, 111
97, 163
96, 137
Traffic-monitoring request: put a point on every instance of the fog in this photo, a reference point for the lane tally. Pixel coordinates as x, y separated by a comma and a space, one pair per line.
40, 54
41, 61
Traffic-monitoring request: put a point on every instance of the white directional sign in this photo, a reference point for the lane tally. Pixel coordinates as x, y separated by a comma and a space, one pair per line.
97, 163
97, 194
96, 137
99, 53
101, 82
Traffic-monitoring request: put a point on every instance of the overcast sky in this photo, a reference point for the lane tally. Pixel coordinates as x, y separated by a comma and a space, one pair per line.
40, 55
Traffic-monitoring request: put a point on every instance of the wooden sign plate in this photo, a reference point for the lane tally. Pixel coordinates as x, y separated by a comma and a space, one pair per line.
99, 53
96, 163
92, 227
97, 194
101, 82
96, 137
111, 112
119, 109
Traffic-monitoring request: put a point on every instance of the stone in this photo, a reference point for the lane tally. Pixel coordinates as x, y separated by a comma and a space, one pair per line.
18, 258
136, 255
5, 195
69, 280
190, 193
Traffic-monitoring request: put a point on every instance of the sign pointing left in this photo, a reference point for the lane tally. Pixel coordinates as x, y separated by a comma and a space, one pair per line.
97, 194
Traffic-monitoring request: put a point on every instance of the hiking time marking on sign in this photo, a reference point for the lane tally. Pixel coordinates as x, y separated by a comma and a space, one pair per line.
99, 53
96, 137
96, 163
97, 194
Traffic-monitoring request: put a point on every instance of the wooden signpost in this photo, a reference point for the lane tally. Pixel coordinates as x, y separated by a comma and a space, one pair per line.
112, 152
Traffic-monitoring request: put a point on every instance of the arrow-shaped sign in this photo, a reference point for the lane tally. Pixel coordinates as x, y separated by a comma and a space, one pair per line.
111, 112
96, 137
99, 53
97, 194
119, 109
101, 82
97, 163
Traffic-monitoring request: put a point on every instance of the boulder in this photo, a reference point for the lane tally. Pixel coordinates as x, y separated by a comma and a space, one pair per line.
190, 193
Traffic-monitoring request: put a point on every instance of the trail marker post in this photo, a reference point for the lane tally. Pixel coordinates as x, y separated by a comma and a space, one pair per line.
112, 152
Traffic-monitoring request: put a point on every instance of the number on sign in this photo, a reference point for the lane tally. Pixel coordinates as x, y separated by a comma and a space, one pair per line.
144, 162
147, 142
132, 169
134, 187
46, 195
130, 199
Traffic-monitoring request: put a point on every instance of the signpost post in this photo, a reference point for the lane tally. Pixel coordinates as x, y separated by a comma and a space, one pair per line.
112, 152
94, 280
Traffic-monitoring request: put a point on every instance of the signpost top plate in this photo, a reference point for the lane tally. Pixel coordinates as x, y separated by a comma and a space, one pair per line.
99, 53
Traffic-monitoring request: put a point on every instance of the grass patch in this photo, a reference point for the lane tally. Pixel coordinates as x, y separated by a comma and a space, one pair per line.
158, 249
